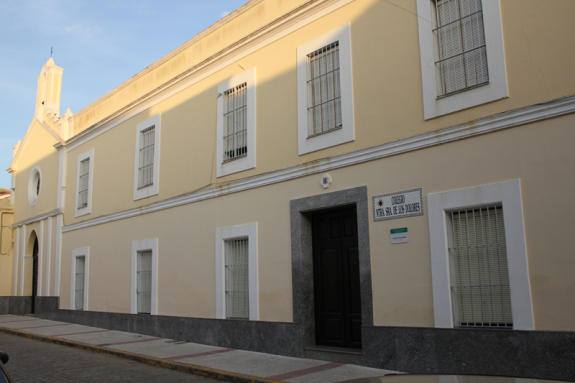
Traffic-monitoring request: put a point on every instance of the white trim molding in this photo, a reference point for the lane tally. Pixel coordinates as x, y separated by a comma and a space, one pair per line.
346, 133
508, 194
249, 231
143, 245
496, 88
249, 161
76, 253
88, 209
154, 188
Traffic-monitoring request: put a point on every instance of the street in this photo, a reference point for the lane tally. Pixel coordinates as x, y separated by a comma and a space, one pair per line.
34, 361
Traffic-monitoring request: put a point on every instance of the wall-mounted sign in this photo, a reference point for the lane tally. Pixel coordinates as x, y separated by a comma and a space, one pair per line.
398, 235
398, 205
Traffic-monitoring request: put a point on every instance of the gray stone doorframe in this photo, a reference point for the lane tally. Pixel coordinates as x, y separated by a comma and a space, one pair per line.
302, 256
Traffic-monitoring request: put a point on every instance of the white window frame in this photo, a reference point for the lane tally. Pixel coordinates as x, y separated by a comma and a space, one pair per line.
154, 188
88, 209
80, 252
137, 246
32, 196
508, 194
249, 161
250, 231
496, 88
347, 132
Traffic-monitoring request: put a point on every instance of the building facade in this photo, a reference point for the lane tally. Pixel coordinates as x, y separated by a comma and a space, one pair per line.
382, 182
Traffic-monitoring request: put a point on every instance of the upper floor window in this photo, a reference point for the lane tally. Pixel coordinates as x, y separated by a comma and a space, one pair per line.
84, 183
462, 56
325, 92
34, 184
236, 124
147, 167
324, 98
146, 157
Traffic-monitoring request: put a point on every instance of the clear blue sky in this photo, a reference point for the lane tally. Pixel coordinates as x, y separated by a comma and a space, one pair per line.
99, 44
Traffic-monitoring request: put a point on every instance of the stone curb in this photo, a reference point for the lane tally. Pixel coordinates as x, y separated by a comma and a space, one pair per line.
152, 361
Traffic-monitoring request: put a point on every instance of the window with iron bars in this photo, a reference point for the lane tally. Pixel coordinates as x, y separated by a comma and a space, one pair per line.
146, 158
235, 123
480, 288
79, 283
83, 183
459, 39
236, 253
323, 87
144, 282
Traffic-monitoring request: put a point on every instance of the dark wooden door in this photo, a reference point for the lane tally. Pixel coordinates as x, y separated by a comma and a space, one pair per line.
34, 275
336, 278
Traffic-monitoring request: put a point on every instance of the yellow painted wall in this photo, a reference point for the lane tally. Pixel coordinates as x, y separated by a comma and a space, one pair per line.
401, 275
387, 91
6, 246
37, 151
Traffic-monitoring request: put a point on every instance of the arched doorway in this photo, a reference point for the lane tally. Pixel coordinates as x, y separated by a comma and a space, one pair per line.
33, 249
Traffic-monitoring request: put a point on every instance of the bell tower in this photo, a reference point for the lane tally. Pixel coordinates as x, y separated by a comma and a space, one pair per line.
49, 87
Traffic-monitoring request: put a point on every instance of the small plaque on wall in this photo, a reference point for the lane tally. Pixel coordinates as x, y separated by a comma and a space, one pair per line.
398, 205
399, 235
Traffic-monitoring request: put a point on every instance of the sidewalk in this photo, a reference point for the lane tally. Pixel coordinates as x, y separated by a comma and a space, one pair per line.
228, 364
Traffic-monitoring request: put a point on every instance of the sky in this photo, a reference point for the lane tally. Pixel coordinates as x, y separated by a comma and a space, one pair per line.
100, 44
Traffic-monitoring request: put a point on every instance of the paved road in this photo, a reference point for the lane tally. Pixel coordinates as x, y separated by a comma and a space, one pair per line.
33, 361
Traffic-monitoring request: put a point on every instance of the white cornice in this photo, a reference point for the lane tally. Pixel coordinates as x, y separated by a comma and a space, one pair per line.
37, 218
485, 125
274, 31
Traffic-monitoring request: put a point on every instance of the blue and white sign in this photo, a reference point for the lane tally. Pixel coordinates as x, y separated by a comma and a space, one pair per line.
398, 205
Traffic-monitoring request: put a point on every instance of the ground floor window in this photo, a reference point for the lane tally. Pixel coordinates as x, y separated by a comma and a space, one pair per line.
480, 288
479, 262
144, 281
237, 278
80, 276
237, 272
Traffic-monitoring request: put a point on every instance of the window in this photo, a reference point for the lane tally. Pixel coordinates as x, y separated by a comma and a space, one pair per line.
146, 158
34, 184
236, 283
79, 278
325, 92
144, 298
144, 278
236, 124
79, 282
237, 272
462, 58
147, 167
324, 99
480, 288
478, 257
84, 183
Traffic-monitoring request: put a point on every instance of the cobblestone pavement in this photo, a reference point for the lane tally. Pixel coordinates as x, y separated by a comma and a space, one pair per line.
34, 361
